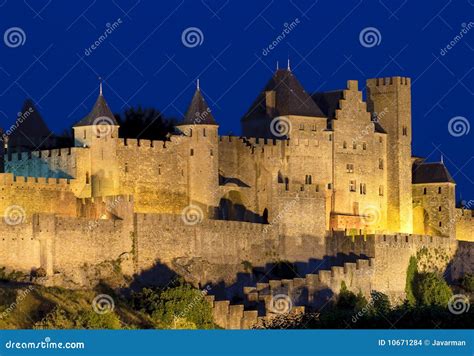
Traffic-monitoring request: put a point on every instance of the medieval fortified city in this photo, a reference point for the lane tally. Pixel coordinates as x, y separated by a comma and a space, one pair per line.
324, 184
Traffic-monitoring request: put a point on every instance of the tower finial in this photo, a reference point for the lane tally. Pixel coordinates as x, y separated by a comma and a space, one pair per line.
197, 85
100, 86
288, 67
442, 159
278, 67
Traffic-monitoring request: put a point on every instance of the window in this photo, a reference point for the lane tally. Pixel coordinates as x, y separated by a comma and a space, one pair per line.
190, 132
330, 137
212, 152
308, 179
362, 188
381, 190
380, 139
87, 177
439, 190
126, 168
424, 191
204, 132
344, 144
84, 135
329, 186
192, 152
440, 224
364, 146
302, 127
352, 186
313, 127
354, 145
317, 187
380, 163
159, 170
439, 208
404, 131
350, 168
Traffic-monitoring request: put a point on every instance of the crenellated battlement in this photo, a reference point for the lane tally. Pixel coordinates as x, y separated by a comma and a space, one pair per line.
144, 144
9, 179
389, 82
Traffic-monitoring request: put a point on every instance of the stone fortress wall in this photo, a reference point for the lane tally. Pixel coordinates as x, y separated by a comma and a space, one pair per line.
338, 192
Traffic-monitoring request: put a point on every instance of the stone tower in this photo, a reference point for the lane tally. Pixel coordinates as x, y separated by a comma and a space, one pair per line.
200, 149
98, 133
389, 100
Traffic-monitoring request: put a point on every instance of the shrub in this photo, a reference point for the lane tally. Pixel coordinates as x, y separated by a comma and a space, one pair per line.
468, 282
348, 300
411, 274
431, 289
381, 302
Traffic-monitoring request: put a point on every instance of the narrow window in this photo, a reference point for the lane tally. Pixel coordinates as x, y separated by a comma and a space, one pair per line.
354, 145
126, 167
350, 168
381, 190
344, 144
192, 152
204, 132
424, 191
313, 127
439, 190
380, 163
439, 208
330, 137
440, 224
302, 127
329, 186
190, 132
87, 177
84, 136
380, 139
212, 153
352, 186
364, 146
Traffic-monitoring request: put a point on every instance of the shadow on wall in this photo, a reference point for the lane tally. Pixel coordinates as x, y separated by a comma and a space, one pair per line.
37, 167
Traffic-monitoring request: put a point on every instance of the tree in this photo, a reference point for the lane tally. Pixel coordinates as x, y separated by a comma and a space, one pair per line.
381, 302
147, 124
411, 274
431, 289
349, 300
468, 282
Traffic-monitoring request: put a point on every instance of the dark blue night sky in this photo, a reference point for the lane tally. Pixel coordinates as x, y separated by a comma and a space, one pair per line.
144, 61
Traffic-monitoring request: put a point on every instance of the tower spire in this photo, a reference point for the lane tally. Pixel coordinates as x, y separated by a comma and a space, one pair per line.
100, 86
197, 85
288, 66
278, 67
442, 159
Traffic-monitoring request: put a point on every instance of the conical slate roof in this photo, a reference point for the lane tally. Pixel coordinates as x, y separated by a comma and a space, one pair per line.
198, 112
290, 98
100, 109
32, 124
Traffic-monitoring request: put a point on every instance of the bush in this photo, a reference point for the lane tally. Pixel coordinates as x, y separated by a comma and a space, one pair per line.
468, 282
348, 300
431, 289
176, 307
381, 302
411, 274
62, 319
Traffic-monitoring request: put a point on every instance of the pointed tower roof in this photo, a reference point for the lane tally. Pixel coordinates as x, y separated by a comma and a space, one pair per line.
33, 124
198, 112
100, 109
431, 172
290, 98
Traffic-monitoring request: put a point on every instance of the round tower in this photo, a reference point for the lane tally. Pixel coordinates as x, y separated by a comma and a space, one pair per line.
200, 150
97, 166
